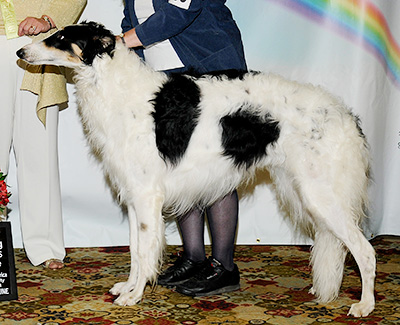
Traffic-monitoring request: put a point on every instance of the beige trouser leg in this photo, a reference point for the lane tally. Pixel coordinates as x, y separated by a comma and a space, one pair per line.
36, 155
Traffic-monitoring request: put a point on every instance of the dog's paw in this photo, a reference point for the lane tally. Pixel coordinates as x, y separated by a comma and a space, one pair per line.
361, 309
119, 288
128, 299
311, 291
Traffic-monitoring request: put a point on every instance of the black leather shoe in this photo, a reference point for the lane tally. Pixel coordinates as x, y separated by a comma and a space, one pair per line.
212, 280
182, 270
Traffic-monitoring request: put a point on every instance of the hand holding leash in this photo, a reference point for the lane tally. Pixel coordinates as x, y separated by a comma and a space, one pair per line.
130, 39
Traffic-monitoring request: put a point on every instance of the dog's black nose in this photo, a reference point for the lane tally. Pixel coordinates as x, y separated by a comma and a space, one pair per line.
21, 53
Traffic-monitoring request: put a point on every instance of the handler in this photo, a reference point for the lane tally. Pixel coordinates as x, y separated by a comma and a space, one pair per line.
198, 36
31, 96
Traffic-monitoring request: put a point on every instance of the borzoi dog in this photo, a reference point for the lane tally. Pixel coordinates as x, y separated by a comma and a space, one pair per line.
169, 143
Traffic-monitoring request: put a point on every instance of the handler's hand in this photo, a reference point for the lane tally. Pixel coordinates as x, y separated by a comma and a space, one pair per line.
131, 39
33, 26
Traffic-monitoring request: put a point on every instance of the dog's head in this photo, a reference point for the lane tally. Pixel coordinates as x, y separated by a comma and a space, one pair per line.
71, 47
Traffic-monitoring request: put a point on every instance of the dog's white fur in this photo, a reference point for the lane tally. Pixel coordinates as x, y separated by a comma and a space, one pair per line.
319, 164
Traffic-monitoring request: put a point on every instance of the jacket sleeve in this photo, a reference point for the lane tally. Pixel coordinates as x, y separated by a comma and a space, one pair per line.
127, 22
168, 20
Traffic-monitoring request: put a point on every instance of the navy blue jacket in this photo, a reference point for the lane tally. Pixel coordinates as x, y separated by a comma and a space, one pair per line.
205, 36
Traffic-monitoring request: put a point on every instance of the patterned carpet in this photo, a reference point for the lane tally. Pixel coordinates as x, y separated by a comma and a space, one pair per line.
274, 290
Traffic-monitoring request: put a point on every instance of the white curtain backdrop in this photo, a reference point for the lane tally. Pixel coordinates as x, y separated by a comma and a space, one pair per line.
350, 47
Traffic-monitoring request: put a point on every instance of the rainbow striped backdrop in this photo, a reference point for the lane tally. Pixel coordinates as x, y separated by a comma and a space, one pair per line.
358, 20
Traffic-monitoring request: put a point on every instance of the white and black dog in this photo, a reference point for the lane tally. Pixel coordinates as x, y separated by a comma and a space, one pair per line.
169, 143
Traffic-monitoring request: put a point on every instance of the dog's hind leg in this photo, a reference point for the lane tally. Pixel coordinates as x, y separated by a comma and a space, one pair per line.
147, 244
328, 252
330, 216
364, 255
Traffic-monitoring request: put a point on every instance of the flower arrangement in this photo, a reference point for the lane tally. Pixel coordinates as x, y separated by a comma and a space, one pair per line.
4, 194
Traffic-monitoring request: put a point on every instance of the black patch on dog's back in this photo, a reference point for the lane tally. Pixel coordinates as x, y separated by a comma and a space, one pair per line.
245, 136
175, 115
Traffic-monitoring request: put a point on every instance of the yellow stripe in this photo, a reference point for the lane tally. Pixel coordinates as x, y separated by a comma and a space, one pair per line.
9, 18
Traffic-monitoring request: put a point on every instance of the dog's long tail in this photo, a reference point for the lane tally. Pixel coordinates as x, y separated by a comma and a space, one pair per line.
327, 260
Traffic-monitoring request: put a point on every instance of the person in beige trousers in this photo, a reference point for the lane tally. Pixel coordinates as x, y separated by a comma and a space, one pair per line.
31, 98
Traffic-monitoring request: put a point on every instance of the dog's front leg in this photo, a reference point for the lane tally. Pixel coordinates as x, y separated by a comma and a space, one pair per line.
147, 243
127, 286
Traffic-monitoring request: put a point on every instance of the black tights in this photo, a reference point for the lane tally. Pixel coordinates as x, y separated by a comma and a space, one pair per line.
222, 219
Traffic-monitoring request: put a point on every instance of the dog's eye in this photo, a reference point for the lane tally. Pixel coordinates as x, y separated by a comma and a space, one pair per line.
60, 37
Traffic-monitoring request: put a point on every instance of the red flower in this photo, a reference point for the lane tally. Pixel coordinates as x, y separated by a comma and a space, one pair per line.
4, 194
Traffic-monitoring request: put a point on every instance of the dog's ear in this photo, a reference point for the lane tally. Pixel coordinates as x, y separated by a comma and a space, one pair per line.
101, 41
108, 43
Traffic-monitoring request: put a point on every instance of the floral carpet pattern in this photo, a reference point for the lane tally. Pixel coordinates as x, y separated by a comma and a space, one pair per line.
274, 290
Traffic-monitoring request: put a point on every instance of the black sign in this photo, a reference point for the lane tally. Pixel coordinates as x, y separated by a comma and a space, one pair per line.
8, 282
